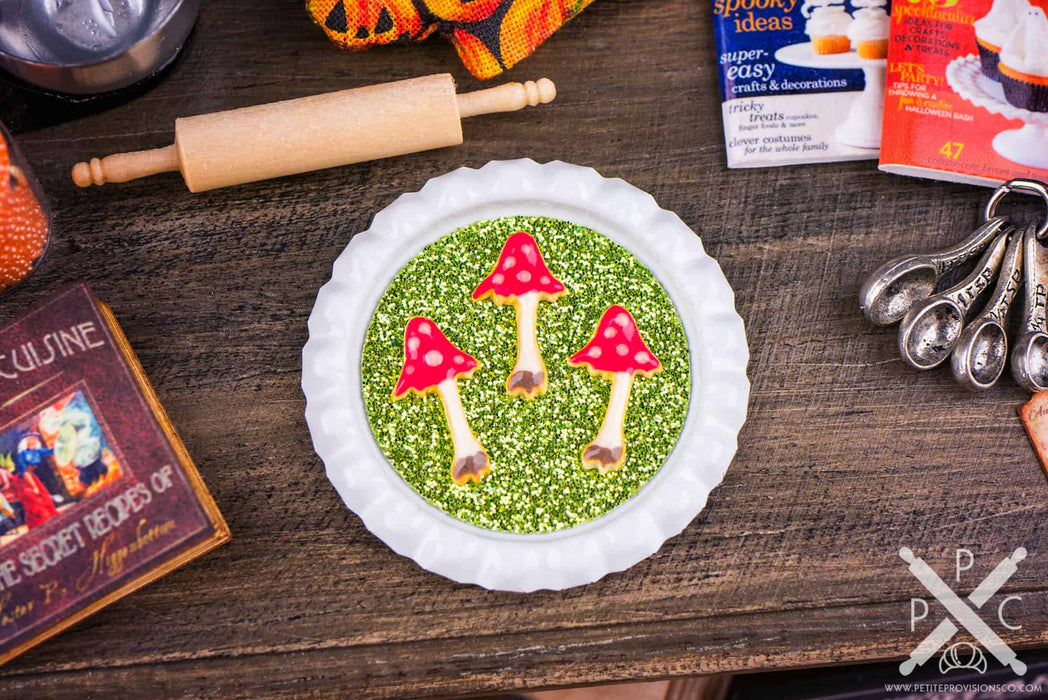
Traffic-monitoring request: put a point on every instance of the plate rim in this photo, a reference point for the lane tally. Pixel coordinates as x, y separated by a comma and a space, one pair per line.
463, 552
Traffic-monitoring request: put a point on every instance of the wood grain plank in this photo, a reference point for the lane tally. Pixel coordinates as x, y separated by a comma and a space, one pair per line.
847, 454
650, 650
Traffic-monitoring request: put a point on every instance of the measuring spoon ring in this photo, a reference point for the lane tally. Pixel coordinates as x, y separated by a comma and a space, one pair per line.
898, 284
982, 349
1030, 356
931, 327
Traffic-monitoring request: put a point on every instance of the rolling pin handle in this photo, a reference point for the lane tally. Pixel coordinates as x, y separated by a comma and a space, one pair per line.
507, 98
123, 167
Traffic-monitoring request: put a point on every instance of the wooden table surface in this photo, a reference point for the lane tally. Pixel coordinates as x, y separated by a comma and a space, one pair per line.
847, 454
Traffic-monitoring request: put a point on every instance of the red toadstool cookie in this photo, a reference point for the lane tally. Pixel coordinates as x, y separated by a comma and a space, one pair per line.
433, 364
521, 278
616, 352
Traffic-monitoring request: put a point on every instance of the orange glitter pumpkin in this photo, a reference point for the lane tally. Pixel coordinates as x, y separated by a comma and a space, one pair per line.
5, 159
23, 223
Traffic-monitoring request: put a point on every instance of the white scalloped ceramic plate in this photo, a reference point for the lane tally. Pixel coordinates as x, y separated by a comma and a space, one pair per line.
498, 560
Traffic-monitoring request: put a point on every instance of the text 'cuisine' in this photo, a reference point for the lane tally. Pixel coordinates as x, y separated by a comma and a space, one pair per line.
63, 342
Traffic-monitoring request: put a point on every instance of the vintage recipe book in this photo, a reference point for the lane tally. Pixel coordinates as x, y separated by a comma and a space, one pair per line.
98, 496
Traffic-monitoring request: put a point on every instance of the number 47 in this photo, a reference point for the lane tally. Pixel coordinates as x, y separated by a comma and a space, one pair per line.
952, 149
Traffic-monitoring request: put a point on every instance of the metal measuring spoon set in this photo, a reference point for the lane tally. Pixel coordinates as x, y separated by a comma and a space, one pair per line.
936, 325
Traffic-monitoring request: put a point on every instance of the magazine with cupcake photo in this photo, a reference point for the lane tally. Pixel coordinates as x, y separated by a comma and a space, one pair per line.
967, 92
802, 81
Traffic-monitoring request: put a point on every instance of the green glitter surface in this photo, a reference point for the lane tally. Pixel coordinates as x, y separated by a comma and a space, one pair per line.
537, 483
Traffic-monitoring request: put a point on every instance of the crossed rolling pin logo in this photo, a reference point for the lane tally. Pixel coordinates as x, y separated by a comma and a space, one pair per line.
960, 611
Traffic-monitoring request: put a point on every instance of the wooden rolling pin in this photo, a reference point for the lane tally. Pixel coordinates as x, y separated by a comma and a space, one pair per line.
338, 128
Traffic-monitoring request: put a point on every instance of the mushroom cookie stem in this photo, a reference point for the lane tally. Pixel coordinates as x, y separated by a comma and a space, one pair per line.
528, 378
521, 278
608, 450
470, 462
433, 364
616, 352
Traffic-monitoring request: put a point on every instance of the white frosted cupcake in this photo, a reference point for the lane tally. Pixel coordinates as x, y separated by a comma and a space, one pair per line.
1023, 65
869, 32
828, 29
994, 29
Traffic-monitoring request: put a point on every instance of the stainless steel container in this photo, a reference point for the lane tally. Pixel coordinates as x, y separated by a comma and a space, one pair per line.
87, 47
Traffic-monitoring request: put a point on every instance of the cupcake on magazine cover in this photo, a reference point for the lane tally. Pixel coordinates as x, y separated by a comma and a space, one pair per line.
1023, 65
827, 26
869, 29
994, 29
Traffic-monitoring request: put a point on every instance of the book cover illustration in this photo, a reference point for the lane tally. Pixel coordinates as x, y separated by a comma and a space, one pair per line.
801, 82
97, 495
967, 93
49, 460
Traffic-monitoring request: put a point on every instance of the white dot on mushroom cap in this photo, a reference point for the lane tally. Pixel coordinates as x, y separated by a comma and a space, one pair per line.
594, 352
410, 369
424, 329
610, 332
413, 343
459, 359
642, 357
433, 358
545, 280
622, 349
622, 320
451, 373
529, 253
498, 278
524, 276
509, 262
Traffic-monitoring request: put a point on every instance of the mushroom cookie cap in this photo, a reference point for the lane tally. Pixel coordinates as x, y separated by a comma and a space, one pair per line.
520, 270
429, 359
616, 346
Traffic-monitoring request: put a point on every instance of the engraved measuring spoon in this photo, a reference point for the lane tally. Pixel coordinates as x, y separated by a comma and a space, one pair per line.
898, 284
982, 349
1030, 356
930, 329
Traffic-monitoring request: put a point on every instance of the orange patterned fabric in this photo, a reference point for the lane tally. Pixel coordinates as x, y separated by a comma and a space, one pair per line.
491, 36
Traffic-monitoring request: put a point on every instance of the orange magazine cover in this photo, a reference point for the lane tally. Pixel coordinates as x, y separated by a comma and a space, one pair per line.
967, 90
